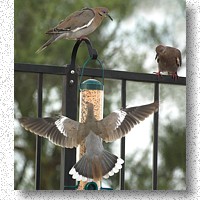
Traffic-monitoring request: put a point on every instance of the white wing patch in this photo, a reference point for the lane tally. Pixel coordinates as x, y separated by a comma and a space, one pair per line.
60, 125
85, 26
120, 117
67, 126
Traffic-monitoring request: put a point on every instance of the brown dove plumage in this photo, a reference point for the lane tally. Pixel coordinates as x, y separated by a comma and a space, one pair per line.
77, 25
96, 163
169, 60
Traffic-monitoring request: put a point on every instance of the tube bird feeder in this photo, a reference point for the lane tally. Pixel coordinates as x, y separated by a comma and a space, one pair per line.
91, 91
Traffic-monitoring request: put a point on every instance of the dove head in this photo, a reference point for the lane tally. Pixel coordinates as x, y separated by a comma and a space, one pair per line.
160, 49
90, 110
89, 105
103, 12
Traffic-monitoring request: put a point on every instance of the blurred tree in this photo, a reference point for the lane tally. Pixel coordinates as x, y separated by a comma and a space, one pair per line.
172, 170
123, 45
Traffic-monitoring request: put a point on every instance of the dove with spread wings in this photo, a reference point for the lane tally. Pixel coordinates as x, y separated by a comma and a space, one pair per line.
96, 163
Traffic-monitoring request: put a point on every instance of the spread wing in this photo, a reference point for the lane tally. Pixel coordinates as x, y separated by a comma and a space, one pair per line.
76, 21
119, 123
62, 131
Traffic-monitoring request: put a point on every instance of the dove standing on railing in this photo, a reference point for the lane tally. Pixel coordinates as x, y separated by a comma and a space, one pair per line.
77, 25
169, 59
96, 162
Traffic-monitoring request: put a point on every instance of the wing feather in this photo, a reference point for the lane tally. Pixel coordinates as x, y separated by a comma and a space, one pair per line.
61, 131
76, 21
119, 123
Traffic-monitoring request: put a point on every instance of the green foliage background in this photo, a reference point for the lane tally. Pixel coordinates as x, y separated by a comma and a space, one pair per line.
121, 46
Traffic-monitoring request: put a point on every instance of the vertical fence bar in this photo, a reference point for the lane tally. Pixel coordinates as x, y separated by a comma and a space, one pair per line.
38, 138
155, 141
122, 147
69, 109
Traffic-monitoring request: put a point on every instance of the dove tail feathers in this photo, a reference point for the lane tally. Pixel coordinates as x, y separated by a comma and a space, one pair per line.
46, 44
95, 167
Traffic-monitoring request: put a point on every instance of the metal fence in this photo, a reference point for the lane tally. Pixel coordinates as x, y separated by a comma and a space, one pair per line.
69, 108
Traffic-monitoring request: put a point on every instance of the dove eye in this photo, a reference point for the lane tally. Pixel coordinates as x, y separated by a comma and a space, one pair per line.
103, 11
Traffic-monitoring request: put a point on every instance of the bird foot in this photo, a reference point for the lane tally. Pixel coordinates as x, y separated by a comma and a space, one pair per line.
158, 74
174, 76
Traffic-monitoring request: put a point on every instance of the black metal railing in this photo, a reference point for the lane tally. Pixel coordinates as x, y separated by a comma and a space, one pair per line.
69, 107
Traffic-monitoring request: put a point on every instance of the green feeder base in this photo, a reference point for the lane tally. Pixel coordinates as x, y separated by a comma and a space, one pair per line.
91, 186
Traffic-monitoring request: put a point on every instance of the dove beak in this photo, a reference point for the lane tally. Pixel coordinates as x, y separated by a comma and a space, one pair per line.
109, 16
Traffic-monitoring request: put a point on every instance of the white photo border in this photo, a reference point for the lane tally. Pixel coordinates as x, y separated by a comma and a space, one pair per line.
7, 119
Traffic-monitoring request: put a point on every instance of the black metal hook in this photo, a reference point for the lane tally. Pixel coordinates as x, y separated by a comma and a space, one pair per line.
92, 52
71, 70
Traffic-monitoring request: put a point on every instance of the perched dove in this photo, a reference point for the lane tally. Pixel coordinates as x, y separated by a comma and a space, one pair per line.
96, 162
77, 25
169, 59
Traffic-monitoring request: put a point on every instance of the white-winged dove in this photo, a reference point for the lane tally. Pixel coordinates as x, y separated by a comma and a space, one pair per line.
96, 162
77, 25
169, 59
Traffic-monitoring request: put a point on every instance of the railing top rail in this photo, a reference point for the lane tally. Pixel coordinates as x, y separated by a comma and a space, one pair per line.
108, 74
